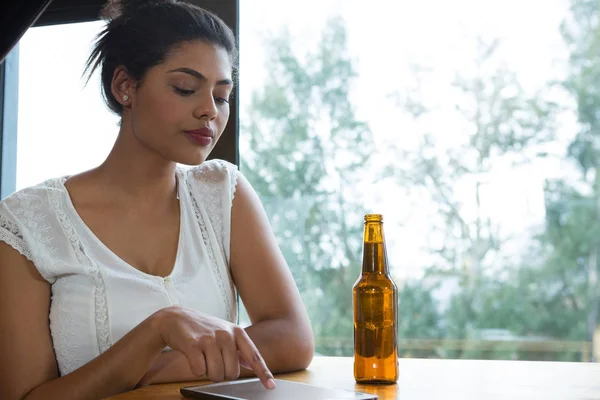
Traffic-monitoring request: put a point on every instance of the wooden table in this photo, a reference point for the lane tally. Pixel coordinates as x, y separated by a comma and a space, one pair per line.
441, 379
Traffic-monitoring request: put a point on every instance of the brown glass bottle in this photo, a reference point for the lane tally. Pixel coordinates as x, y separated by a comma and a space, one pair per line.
375, 301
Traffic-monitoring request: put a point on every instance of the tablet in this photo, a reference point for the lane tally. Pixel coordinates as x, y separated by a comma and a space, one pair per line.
252, 389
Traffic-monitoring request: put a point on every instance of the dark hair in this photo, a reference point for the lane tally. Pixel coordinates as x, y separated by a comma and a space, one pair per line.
140, 33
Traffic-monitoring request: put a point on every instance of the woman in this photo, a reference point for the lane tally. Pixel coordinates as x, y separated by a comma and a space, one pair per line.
127, 274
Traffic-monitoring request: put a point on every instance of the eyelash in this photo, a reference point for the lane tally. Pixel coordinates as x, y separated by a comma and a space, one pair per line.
185, 93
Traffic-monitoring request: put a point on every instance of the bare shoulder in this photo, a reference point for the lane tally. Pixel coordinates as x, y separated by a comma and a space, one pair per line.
259, 269
246, 200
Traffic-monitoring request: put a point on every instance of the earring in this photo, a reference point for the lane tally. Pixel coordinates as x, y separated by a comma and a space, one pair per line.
125, 97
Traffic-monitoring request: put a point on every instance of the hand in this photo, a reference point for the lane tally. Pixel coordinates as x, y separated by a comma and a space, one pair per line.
213, 347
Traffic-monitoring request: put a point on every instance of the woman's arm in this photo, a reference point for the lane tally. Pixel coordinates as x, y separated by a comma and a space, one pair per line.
280, 326
28, 367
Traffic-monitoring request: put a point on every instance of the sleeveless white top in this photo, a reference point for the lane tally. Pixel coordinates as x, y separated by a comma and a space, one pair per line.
96, 296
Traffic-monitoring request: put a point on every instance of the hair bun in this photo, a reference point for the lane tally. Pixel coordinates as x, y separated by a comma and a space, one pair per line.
119, 8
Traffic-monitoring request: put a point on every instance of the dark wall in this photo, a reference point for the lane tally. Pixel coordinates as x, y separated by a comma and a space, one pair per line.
16, 16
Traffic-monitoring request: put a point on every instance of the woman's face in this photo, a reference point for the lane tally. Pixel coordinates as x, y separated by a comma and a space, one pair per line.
182, 105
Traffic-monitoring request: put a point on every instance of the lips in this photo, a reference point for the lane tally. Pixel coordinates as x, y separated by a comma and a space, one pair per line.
201, 137
205, 132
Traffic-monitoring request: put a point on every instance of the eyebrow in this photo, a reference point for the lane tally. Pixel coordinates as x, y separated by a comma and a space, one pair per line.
199, 76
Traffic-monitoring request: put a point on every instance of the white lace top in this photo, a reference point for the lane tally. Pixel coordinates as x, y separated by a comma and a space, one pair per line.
96, 296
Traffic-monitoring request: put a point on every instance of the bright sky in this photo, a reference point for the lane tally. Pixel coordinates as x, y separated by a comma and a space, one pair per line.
64, 129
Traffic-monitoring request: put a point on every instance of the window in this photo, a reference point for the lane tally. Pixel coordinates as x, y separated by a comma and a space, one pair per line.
471, 126
456, 121
52, 142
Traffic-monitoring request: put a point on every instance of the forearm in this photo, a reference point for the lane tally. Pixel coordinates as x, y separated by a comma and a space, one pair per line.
171, 366
115, 371
284, 346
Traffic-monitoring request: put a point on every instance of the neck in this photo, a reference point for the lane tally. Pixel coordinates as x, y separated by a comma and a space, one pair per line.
137, 172
374, 254
374, 258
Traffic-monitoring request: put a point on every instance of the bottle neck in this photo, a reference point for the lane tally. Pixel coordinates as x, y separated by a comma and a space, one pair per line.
374, 252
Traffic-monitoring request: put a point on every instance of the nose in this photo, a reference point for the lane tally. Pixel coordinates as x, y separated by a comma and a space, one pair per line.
206, 108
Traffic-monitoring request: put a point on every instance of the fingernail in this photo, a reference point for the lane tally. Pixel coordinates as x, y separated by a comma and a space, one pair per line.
271, 383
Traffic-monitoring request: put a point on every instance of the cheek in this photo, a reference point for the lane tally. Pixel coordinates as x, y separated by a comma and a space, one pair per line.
223, 118
221, 123
161, 109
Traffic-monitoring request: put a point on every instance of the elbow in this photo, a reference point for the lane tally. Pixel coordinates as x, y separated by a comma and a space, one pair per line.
304, 347
306, 353
294, 347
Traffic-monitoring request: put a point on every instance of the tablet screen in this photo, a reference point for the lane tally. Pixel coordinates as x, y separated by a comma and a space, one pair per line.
252, 389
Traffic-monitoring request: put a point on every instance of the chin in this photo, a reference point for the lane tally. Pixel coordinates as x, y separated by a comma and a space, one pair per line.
192, 159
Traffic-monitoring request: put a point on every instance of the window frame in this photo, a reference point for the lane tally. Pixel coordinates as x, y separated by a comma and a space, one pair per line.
9, 100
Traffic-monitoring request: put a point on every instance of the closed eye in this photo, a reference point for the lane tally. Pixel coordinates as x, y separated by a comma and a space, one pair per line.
183, 92
221, 100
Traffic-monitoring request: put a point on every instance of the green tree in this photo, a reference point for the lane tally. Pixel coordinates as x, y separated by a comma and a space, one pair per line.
417, 313
305, 154
500, 122
572, 237
554, 292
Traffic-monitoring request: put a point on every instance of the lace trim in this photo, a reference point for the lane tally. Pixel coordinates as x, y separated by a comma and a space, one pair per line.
231, 171
210, 252
11, 235
68, 350
28, 208
212, 186
233, 178
210, 183
101, 305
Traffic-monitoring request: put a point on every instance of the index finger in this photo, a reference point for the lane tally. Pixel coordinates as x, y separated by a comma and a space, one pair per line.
253, 359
